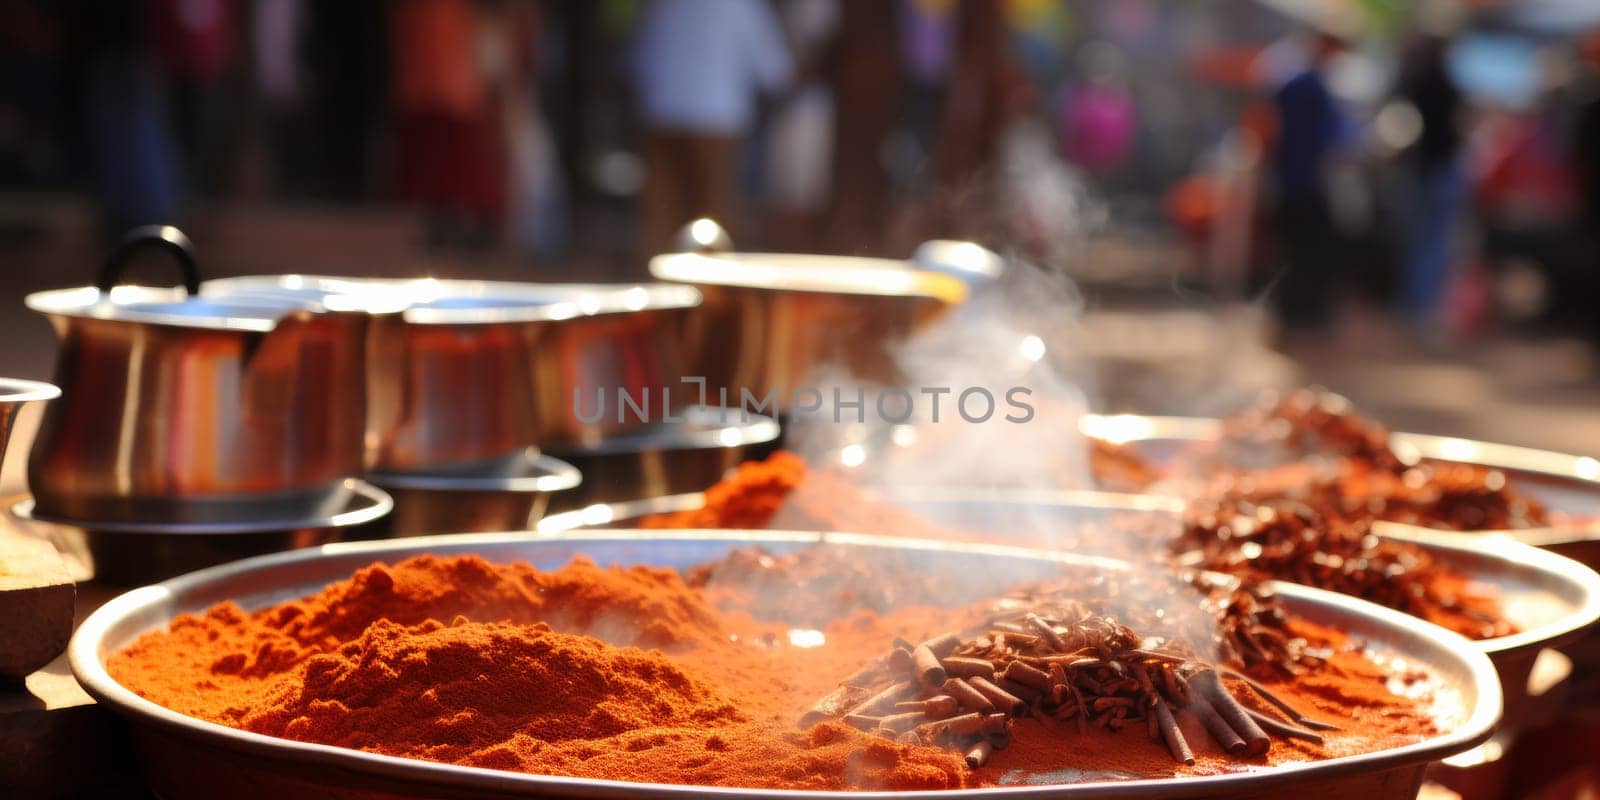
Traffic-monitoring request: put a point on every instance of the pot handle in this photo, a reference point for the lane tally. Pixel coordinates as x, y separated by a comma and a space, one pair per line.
165, 237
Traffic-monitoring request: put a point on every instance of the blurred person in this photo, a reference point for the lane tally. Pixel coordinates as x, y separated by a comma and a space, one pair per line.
798, 134
1586, 157
1586, 138
1097, 117
866, 74
537, 218
978, 105
1439, 188
132, 158
344, 57
927, 38
197, 44
277, 29
1310, 127
447, 147
700, 66
30, 97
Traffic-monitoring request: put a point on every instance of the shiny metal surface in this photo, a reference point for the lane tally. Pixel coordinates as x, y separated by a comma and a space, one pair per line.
969, 261
770, 321
16, 394
184, 757
664, 459
506, 499
703, 235
473, 372
1067, 509
181, 409
1564, 483
129, 554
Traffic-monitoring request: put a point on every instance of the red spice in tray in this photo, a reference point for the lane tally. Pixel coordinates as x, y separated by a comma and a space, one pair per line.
507, 667
782, 492
1282, 523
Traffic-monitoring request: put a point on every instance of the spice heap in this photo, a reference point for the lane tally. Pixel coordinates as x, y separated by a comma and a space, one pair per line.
1312, 445
419, 691
1048, 655
782, 492
1292, 540
1119, 468
1308, 421
745, 500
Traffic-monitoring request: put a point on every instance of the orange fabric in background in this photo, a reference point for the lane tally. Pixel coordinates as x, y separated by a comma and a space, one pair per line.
435, 63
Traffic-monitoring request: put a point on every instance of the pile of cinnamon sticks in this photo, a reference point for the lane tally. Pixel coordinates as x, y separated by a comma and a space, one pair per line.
1057, 662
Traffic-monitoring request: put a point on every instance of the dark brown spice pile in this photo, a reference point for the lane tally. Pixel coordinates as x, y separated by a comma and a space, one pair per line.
1048, 654
1292, 540
1313, 446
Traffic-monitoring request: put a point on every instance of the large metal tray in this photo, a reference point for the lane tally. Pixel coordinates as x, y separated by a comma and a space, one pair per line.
185, 757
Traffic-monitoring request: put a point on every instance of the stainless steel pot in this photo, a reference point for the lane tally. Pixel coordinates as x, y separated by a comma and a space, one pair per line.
177, 408
183, 757
471, 373
665, 458
773, 321
473, 501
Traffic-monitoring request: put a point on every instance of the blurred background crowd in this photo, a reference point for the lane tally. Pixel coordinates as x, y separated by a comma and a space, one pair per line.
1430, 168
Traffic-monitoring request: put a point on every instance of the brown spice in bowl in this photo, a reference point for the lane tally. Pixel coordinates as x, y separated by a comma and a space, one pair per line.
1314, 434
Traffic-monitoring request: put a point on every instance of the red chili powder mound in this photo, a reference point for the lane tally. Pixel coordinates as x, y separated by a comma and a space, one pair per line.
745, 500
511, 682
783, 493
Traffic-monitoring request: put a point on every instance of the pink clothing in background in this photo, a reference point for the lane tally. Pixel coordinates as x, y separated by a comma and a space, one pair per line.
1097, 128
194, 38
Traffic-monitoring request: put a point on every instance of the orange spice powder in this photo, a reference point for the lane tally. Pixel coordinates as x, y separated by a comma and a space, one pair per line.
781, 492
463, 661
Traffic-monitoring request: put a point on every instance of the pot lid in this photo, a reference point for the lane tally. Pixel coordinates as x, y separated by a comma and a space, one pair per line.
436, 301
707, 257
179, 306
163, 306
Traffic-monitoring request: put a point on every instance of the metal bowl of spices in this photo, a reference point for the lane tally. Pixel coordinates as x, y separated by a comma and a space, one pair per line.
183, 756
509, 498
132, 553
1566, 485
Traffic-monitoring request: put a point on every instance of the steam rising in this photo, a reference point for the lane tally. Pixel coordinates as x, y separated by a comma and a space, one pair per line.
1021, 331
